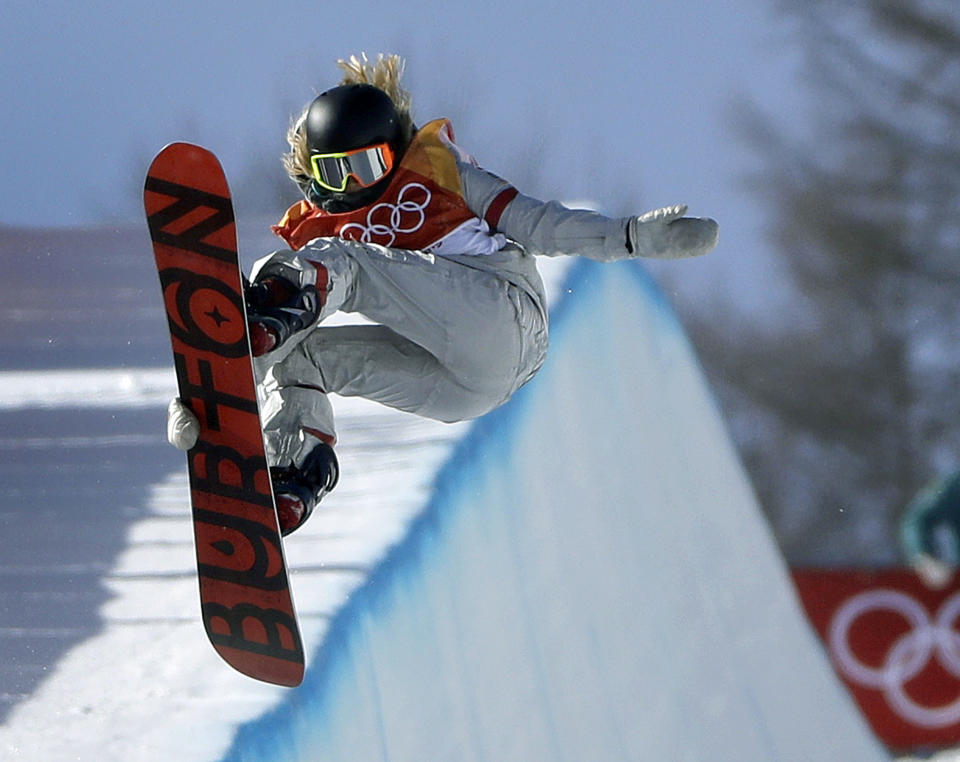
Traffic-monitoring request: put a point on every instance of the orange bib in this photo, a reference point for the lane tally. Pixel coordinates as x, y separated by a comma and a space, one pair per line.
422, 204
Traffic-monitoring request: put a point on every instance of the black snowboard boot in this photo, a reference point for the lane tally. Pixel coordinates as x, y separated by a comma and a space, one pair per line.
276, 309
298, 490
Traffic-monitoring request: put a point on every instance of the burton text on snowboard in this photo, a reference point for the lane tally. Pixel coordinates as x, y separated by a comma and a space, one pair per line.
245, 597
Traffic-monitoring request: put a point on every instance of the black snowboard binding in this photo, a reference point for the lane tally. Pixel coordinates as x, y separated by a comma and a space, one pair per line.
298, 490
276, 309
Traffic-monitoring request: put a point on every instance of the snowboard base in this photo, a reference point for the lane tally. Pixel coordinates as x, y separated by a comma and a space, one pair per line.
245, 598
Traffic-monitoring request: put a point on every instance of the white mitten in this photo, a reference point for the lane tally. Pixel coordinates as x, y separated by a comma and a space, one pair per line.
667, 234
183, 428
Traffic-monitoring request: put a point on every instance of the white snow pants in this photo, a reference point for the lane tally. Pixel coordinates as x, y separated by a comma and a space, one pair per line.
450, 343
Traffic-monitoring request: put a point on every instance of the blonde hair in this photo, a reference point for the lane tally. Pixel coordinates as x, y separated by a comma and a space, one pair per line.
384, 73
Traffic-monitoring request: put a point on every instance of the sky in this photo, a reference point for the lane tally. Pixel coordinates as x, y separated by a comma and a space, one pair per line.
627, 104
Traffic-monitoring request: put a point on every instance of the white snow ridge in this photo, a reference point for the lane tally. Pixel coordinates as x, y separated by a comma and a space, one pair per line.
583, 574
592, 580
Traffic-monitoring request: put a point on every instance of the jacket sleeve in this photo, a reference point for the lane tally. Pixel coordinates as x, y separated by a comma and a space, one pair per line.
542, 228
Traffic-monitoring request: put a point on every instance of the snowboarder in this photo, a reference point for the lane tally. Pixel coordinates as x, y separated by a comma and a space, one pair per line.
401, 225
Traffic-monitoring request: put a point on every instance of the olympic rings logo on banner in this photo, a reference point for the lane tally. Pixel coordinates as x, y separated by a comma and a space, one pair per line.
387, 233
908, 656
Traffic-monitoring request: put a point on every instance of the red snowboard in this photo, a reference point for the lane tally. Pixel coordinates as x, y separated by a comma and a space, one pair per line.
244, 592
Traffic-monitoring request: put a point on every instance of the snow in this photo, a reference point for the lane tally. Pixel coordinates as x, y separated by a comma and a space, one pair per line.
98, 388
592, 579
583, 574
152, 659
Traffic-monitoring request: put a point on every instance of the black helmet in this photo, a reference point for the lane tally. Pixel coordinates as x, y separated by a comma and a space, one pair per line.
350, 117
347, 118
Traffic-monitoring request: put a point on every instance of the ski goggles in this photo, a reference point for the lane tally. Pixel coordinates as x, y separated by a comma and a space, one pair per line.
365, 165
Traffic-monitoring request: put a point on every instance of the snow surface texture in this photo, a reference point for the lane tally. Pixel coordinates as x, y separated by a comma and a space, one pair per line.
149, 686
592, 580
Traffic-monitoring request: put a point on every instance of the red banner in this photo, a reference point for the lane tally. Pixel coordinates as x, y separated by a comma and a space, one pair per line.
896, 644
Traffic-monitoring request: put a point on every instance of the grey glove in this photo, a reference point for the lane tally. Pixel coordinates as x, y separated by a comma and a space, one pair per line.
666, 234
183, 428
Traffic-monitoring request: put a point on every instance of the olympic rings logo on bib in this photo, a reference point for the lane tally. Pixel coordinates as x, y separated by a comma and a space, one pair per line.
385, 220
928, 641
